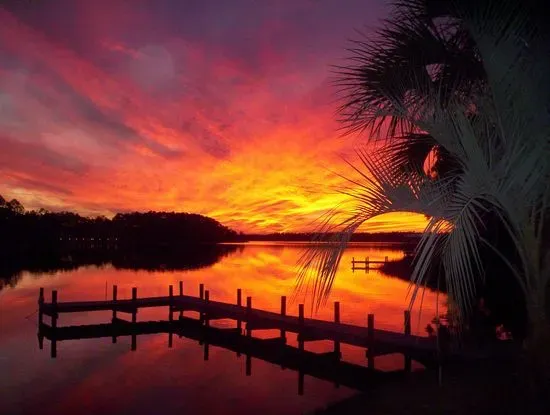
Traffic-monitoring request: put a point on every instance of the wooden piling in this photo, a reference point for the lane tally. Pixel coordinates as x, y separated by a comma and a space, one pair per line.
337, 320
367, 265
181, 295
370, 336
113, 319
201, 296
408, 361
53, 342
239, 322
248, 313
170, 339
301, 322
115, 289
134, 319
134, 306
54, 309
206, 314
170, 302
386, 259
40, 304
283, 313
240, 304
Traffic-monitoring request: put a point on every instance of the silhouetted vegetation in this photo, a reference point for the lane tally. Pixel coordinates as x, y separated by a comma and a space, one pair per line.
24, 230
42, 241
503, 304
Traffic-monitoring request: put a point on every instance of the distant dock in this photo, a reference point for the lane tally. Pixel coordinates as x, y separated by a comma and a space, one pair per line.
364, 265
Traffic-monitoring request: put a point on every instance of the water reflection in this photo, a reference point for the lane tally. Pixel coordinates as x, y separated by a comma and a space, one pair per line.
186, 258
96, 376
324, 366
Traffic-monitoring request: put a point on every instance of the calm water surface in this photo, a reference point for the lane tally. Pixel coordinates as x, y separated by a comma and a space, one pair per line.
97, 377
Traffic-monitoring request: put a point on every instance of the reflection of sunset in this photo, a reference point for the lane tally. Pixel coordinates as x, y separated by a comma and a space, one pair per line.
179, 125
263, 271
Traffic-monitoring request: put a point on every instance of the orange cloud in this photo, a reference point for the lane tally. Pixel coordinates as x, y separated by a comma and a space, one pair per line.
182, 124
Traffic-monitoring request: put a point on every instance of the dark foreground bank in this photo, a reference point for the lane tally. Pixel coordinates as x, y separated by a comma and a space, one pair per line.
488, 388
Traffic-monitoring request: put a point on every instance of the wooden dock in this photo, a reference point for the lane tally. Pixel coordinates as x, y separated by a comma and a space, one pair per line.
377, 342
365, 265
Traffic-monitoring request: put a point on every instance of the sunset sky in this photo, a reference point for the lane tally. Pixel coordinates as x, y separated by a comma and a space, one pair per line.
223, 108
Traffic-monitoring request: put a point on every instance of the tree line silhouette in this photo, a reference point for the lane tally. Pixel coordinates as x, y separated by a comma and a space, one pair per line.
42, 241
25, 231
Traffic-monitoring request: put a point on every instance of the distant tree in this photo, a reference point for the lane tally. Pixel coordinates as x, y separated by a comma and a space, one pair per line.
15, 206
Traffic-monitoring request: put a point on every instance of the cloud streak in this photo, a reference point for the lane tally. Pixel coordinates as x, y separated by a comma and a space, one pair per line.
221, 108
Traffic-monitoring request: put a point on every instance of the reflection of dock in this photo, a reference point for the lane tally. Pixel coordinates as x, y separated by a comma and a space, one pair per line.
364, 265
324, 366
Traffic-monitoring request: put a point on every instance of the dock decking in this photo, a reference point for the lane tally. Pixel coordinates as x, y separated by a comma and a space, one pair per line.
376, 341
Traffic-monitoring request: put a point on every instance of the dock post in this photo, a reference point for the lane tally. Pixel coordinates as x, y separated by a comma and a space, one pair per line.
337, 343
201, 296
248, 314
53, 342
283, 314
40, 304
134, 318
367, 264
134, 305
301, 322
170, 302
170, 314
370, 350
54, 309
240, 304
300, 383
113, 319
408, 362
239, 321
115, 289
386, 259
337, 321
206, 300
181, 295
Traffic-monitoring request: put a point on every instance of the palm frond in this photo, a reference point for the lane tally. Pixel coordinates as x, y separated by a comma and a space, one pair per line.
490, 127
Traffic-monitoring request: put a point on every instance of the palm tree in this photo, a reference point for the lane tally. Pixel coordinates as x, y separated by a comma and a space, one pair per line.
483, 110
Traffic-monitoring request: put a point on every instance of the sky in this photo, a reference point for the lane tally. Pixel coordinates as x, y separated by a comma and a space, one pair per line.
220, 107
